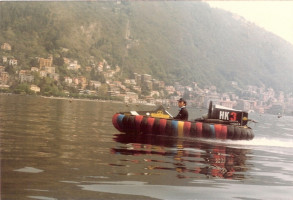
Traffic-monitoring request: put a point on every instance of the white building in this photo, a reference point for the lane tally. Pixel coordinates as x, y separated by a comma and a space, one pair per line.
35, 88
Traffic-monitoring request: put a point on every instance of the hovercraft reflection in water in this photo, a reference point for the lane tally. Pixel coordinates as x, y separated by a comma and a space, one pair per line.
190, 158
220, 123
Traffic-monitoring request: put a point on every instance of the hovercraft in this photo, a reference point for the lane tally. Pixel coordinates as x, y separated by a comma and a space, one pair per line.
220, 123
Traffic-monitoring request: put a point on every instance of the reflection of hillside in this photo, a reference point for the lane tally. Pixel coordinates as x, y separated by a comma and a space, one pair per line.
188, 157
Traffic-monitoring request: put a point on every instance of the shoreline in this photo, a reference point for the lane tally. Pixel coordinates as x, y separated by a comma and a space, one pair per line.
62, 98
70, 99
77, 99
98, 100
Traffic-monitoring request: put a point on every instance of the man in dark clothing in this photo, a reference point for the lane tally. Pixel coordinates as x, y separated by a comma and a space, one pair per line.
183, 113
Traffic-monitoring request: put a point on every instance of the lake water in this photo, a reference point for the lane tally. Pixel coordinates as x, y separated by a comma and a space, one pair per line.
61, 149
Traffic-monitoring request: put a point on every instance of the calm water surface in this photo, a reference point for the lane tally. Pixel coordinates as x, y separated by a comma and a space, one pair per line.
61, 149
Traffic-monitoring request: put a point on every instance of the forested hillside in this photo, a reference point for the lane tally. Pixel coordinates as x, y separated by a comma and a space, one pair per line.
172, 41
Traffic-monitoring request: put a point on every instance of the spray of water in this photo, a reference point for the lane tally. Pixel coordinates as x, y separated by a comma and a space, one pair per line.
269, 142
256, 142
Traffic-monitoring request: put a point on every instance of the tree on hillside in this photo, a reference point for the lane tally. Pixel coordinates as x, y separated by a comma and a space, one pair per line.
58, 61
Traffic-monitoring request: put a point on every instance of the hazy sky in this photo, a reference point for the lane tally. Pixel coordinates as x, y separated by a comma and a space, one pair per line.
274, 16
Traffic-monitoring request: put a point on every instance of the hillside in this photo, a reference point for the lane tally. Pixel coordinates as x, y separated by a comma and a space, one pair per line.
173, 41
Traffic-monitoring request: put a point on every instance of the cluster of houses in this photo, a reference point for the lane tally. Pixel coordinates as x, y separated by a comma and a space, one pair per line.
254, 99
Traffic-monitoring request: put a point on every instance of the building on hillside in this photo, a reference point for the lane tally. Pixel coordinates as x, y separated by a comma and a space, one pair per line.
261, 90
145, 78
43, 73
137, 78
170, 89
149, 85
131, 97
67, 80
4, 59
2, 69
25, 76
82, 80
214, 98
114, 90
156, 84
127, 81
73, 66
153, 93
35, 88
45, 62
4, 77
109, 74
34, 69
117, 83
75, 80
95, 84
252, 88
150, 100
227, 103
137, 88
6, 46
132, 82
49, 70
54, 76
2, 86
66, 61
108, 67
100, 67
113, 93
12, 62
22, 72
88, 68
245, 105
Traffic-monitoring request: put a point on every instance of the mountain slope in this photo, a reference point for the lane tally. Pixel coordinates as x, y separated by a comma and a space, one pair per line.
173, 41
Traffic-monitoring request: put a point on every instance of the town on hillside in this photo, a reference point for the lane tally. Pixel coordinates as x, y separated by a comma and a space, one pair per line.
100, 80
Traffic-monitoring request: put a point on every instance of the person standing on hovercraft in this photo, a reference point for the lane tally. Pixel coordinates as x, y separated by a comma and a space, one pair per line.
183, 113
